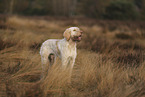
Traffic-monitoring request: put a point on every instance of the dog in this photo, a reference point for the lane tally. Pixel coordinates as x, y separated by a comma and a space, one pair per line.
65, 49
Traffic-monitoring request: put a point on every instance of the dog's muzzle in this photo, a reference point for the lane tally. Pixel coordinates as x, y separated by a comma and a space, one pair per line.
77, 38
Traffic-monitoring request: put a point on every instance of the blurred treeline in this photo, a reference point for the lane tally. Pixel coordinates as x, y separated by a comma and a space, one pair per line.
99, 9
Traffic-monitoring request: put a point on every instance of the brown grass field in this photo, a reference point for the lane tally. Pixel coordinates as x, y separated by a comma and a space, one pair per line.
110, 61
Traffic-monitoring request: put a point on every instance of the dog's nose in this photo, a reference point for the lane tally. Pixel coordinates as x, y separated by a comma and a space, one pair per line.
81, 32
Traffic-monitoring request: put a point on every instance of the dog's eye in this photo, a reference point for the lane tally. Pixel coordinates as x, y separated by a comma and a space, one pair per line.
74, 30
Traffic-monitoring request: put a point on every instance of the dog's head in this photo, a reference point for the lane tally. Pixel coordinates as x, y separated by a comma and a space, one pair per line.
73, 33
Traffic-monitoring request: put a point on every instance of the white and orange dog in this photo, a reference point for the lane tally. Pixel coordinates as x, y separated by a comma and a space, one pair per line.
65, 49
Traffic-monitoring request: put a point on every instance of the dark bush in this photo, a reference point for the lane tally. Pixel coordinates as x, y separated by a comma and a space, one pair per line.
121, 10
130, 59
123, 36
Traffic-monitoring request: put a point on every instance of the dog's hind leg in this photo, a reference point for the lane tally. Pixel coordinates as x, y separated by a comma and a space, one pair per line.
51, 59
44, 66
47, 62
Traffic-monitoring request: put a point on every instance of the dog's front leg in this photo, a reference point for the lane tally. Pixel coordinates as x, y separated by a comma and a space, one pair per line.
71, 65
67, 65
67, 62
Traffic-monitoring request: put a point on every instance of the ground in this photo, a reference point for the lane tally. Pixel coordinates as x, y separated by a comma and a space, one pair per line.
110, 61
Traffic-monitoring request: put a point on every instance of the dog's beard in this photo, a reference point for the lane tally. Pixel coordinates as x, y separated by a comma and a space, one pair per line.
76, 38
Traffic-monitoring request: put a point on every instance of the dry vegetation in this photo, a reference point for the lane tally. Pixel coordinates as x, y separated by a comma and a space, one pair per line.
110, 61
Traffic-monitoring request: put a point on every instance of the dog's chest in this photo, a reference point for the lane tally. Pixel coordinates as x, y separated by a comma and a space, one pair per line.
69, 51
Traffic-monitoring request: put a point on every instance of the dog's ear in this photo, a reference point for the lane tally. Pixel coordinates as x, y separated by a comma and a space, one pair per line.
67, 34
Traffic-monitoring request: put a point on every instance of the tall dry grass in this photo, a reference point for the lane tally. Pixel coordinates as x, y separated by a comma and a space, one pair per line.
110, 62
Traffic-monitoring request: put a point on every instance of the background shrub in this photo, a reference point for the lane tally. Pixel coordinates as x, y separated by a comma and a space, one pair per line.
94, 8
121, 10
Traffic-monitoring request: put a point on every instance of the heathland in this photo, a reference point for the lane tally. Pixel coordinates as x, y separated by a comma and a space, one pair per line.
110, 61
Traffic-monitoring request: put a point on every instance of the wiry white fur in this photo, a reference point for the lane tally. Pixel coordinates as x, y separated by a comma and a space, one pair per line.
64, 49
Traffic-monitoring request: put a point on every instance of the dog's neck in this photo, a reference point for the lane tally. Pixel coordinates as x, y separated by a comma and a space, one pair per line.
71, 43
